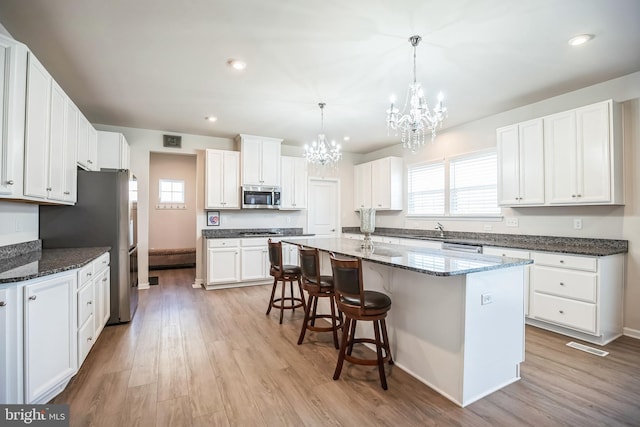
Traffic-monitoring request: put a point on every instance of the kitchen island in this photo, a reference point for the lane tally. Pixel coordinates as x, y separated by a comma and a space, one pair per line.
456, 321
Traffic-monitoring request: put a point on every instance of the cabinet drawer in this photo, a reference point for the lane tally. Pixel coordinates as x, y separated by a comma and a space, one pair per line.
85, 304
256, 241
506, 252
85, 341
222, 243
85, 274
101, 263
570, 313
566, 283
566, 261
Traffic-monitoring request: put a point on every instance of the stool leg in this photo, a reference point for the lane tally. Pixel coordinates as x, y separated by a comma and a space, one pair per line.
273, 292
352, 334
304, 305
306, 320
293, 302
315, 309
343, 348
284, 288
334, 325
376, 330
385, 337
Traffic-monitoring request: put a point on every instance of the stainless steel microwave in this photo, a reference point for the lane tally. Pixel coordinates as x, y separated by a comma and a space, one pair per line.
260, 197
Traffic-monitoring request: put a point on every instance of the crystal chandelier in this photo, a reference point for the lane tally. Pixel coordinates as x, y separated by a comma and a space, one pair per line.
322, 152
418, 117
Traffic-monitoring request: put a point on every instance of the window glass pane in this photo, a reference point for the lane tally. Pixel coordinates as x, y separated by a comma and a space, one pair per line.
474, 185
171, 191
426, 189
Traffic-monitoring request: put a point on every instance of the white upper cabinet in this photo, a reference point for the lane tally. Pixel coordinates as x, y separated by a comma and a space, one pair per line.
222, 179
113, 151
260, 159
49, 154
87, 145
13, 81
584, 156
294, 175
521, 164
378, 184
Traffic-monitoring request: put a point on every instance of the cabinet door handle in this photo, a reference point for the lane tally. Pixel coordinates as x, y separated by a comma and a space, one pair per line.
90, 162
33, 297
574, 196
561, 261
48, 188
3, 304
90, 339
89, 302
561, 284
104, 279
67, 193
561, 311
10, 182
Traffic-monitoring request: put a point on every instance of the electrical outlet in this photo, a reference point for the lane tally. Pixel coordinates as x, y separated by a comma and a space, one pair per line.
577, 224
488, 227
512, 222
487, 299
18, 225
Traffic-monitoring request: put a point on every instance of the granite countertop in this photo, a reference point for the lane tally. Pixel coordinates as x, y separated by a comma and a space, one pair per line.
43, 262
238, 233
422, 260
568, 245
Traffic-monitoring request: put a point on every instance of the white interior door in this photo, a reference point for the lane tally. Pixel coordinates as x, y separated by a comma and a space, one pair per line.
323, 212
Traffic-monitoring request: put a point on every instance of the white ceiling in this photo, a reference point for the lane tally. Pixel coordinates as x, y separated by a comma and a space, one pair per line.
161, 64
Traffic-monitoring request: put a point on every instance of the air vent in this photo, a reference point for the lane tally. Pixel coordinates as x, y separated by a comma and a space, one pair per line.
173, 141
588, 349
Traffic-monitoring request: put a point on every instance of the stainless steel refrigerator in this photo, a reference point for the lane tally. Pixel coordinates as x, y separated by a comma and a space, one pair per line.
102, 216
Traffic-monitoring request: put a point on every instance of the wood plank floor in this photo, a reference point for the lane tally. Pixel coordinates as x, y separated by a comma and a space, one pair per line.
193, 357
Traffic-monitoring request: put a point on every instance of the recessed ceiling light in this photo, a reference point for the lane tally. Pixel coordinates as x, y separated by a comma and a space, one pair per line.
211, 118
237, 64
580, 39
346, 138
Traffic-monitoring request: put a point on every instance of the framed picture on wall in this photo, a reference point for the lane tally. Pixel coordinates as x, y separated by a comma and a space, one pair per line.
213, 217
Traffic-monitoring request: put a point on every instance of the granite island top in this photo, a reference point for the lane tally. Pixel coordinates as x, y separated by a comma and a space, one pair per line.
568, 245
434, 262
39, 262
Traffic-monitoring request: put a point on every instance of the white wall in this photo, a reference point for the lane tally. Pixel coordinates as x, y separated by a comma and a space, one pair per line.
611, 222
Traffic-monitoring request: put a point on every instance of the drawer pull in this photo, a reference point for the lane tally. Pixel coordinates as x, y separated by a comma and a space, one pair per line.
3, 304
561, 284
90, 339
561, 311
33, 297
561, 261
104, 279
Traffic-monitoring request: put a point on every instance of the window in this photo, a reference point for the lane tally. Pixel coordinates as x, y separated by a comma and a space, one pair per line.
426, 189
133, 191
473, 185
171, 191
462, 186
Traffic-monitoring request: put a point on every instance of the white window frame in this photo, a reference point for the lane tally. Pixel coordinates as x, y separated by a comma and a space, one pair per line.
180, 192
446, 162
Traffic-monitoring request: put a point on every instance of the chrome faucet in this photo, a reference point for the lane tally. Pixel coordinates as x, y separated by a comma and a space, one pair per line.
441, 228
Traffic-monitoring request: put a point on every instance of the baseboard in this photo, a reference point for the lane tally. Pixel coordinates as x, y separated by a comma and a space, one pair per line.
142, 286
633, 333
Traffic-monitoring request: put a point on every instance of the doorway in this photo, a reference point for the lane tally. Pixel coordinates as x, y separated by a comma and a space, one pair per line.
323, 215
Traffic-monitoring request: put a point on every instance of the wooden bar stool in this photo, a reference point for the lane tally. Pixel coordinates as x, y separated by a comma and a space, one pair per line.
283, 273
317, 286
358, 304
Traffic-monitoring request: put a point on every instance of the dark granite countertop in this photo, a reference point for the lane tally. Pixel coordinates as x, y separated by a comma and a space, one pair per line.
43, 262
238, 233
569, 245
434, 262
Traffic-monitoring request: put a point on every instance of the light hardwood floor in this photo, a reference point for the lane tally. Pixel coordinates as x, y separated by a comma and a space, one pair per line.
193, 357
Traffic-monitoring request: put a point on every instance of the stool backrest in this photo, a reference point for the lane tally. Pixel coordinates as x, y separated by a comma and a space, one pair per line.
275, 254
347, 278
310, 263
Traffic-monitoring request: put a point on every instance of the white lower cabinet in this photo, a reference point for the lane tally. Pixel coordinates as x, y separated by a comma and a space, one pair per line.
579, 296
515, 253
11, 345
49, 336
223, 261
255, 259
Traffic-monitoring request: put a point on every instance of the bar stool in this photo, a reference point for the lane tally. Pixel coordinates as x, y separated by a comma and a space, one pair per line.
283, 273
317, 286
358, 304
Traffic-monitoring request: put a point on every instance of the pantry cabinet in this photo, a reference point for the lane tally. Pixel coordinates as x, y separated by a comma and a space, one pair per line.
378, 184
260, 160
521, 164
293, 193
113, 150
584, 155
49, 343
13, 83
578, 296
222, 179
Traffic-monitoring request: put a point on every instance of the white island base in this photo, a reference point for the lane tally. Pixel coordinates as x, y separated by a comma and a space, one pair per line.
462, 335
